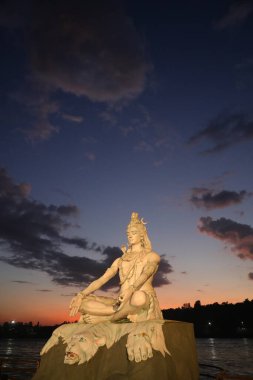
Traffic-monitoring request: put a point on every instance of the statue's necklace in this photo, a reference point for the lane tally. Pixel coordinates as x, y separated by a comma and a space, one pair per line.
129, 255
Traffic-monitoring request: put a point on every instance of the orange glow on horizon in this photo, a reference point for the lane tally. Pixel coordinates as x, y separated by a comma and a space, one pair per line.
51, 318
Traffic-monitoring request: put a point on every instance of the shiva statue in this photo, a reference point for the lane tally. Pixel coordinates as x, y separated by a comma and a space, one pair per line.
137, 300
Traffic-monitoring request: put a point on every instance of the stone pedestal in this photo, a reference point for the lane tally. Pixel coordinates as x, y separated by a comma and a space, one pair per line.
113, 363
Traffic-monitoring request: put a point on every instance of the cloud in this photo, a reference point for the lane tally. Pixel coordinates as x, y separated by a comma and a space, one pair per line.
88, 48
36, 99
90, 156
73, 118
43, 290
223, 132
85, 48
239, 236
209, 199
250, 275
164, 269
32, 235
109, 116
22, 282
143, 146
237, 14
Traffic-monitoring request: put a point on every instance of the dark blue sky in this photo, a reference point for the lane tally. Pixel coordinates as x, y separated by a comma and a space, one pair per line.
112, 107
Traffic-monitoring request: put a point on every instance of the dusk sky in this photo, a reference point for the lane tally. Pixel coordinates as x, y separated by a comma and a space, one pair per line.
109, 107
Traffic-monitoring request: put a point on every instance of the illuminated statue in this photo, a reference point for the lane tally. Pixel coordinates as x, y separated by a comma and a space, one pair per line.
98, 330
137, 300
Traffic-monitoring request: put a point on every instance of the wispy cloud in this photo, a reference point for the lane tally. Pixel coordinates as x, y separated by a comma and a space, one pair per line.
90, 156
238, 236
223, 132
210, 199
22, 282
73, 118
33, 236
143, 146
238, 12
35, 98
109, 115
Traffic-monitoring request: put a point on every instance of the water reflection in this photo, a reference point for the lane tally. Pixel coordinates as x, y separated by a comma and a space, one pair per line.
233, 355
9, 347
212, 347
246, 347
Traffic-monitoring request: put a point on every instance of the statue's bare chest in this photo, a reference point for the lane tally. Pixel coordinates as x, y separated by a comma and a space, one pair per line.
130, 268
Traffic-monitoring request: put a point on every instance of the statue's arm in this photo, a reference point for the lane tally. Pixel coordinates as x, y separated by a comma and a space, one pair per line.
109, 273
77, 300
149, 270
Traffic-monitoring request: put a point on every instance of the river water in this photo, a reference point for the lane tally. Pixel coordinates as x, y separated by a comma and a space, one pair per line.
233, 355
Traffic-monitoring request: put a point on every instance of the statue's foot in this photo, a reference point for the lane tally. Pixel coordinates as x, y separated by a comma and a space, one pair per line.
93, 319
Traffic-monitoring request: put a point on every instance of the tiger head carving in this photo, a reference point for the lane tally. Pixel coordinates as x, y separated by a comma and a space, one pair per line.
82, 347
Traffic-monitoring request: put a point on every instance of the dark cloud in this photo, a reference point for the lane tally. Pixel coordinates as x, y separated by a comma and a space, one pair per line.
209, 199
22, 282
31, 235
85, 48
164, 269
43, 290
239, 236
223, 132
237, 14
250, 275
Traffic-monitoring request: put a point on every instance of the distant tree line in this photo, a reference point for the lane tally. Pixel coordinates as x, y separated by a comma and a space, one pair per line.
25, 330
216, 320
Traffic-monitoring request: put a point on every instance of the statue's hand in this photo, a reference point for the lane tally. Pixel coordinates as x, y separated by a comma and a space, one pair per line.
75, 304
125, 296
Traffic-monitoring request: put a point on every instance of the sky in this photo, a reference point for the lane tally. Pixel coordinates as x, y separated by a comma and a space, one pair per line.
110, 107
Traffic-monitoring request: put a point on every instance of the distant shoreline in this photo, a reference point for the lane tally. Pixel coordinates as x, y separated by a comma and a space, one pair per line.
224, 320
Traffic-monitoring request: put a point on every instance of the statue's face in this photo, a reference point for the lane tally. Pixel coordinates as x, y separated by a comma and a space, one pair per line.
133, 235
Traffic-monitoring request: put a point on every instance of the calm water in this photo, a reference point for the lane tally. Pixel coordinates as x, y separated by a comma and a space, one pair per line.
234, 355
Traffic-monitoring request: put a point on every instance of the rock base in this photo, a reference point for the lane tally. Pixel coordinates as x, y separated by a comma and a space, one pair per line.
113, 363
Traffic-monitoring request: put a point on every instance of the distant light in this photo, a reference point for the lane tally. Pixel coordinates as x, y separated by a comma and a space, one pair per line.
242, 322
13, 322
210, 323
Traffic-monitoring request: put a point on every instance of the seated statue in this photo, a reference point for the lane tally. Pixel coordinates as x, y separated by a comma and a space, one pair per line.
137, 300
